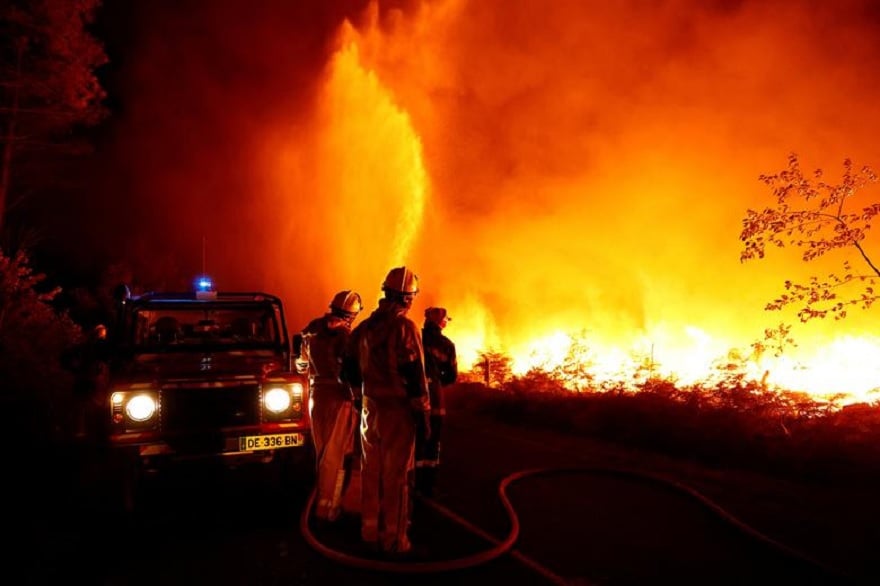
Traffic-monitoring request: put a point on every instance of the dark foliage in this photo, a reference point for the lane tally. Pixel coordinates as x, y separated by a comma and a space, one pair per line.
734, 424
35, 388
49, 92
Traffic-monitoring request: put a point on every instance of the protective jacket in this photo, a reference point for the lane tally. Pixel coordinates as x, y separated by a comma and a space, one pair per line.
441, 364
323, 347
385, 356
441, 368
334, 419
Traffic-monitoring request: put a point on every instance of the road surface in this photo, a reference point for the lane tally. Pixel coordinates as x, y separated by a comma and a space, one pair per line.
592, 513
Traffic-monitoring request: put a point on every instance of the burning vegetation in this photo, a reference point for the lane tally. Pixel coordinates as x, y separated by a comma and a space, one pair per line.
583, 216
578, 182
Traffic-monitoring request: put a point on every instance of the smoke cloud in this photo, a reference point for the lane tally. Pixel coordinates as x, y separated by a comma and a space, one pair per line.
542, 166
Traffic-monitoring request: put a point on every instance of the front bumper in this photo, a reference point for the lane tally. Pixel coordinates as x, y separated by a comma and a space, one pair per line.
198, 419
241, 444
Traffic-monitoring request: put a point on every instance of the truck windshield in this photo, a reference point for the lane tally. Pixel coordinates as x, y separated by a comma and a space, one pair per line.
169, 327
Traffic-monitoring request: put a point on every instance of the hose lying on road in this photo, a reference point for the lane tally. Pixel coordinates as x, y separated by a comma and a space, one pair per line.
499, 549
504, 546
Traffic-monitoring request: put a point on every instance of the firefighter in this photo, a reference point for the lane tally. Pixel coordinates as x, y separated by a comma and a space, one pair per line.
90, 363
334, 418
386, 359
441, 369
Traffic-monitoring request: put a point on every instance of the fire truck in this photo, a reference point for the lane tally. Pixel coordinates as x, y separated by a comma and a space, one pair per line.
199, 375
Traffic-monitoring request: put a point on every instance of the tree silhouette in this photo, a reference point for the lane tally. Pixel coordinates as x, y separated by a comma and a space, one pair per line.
33, 337
48, 87
575, 370
493, 368
817, 218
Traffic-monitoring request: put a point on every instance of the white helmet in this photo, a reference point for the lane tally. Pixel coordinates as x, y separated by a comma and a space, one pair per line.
346, 305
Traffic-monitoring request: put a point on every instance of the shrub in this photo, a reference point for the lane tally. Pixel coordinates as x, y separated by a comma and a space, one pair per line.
35, 389
733, 423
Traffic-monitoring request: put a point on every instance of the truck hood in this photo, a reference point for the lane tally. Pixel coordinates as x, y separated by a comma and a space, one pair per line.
202, 366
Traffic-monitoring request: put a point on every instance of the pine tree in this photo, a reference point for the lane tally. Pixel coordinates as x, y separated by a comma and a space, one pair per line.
48, 86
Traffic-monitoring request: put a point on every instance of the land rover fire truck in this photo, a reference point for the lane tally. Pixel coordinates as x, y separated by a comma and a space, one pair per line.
204, 374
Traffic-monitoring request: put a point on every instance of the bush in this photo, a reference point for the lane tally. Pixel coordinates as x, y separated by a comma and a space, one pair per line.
734, 423
35, 389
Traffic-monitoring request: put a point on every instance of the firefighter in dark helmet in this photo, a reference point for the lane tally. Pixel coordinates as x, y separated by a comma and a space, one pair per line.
334, 417
385, 357
441, 369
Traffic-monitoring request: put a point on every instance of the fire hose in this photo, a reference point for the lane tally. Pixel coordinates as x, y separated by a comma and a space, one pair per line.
505, 546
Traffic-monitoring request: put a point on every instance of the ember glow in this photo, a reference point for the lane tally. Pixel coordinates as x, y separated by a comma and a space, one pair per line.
569, 171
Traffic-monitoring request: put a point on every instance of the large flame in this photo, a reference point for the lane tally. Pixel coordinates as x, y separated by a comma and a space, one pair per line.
566, 177
359, 182
590, 193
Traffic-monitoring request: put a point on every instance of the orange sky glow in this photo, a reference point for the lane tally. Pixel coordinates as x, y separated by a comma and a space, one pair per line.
571, 170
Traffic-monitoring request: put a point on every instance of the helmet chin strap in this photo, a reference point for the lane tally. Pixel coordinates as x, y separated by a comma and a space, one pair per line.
335, 321
402, 299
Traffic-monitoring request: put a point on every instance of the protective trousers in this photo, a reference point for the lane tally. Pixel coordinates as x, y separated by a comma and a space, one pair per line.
388, 444
333, 432
428, 455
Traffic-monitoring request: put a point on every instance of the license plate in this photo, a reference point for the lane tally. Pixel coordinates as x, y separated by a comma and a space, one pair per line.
250, 443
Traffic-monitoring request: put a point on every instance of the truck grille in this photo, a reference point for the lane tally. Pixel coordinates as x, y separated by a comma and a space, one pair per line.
194, 410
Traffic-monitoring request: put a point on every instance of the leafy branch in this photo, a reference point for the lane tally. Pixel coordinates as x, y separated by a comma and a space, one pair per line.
816, 217
776, 340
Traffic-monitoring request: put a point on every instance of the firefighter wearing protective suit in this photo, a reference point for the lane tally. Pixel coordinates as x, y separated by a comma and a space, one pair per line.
441, 369
386, 358
334, 418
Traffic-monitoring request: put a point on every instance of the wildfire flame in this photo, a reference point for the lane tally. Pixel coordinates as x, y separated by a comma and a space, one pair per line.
560, 230
846, 365
364, 158
567, 178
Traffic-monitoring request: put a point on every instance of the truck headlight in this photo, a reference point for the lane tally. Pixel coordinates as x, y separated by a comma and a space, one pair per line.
283, 401
141, 407
134, 410
277, 400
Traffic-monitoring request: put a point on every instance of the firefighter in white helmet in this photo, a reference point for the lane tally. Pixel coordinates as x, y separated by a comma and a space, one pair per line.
441, 369
386, 359
334, 417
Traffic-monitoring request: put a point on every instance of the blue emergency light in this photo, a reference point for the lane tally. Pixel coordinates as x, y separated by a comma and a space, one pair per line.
204, 284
